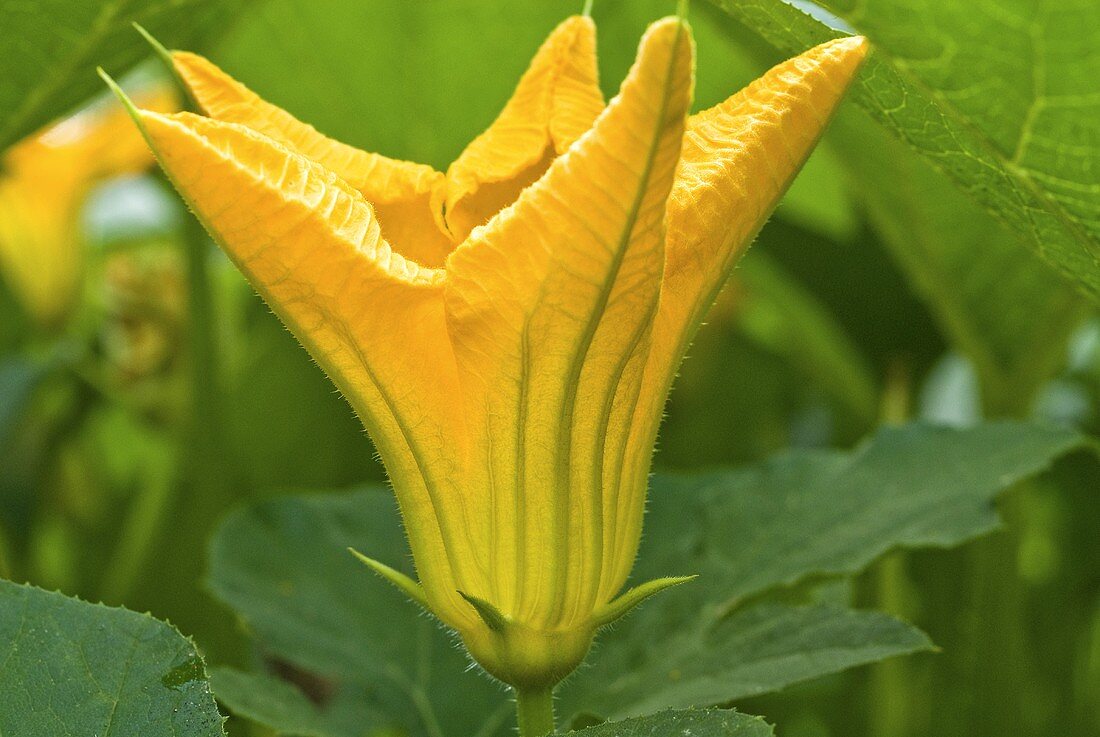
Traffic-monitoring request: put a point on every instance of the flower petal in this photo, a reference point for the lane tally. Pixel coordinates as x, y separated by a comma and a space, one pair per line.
556, 101
738, 159
400, 191
310, 245
549, 307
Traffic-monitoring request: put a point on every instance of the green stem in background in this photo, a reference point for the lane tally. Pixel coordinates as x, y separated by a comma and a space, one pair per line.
147, 514
892, 694
535, 712
205, 382
205, 475
6, 569
891, 684
206, 445
998, 664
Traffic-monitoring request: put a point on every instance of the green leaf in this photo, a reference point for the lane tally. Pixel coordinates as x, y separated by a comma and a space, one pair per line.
1001, 306
275, 702
690, 722
72, 668
284, 567
55, 46
800, 515
1001, 97
820, 512
718, 657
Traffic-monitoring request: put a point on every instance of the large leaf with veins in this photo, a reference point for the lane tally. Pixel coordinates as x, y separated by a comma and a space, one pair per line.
1001, 96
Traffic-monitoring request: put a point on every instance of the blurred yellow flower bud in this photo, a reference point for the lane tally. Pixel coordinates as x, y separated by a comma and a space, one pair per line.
44, 181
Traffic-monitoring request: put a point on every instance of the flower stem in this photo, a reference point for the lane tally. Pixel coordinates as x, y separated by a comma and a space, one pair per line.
535, 712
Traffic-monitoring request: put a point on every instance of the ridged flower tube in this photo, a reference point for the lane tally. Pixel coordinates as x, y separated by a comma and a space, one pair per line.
508, 330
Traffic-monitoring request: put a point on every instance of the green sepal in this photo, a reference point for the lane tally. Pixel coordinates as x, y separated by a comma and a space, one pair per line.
131, 109
164, 54
166, 58
406, 585
489, 614
122, 96
619, 607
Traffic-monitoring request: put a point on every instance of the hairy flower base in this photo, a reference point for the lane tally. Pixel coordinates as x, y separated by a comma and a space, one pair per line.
526, 658
533, 658
529, 658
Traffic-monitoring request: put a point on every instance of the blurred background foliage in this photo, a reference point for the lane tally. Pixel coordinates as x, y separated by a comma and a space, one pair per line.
150, 392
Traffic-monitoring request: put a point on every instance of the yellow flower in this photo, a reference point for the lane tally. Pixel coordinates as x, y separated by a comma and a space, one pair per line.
43, 185
508, 331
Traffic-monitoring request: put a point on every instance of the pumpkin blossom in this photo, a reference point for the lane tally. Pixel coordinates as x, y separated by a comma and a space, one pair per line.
44, 181
508, 330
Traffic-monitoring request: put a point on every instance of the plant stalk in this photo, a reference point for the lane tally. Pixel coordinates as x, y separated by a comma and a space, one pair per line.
891, 681
535, 712
144, 522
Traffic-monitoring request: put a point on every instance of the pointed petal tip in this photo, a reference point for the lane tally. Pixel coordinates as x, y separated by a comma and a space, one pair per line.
184, 57
571, 27
554, 104
847, 50
857, 46
669, 21
576, 27
842, 56
578, 21
191, 69
669, 30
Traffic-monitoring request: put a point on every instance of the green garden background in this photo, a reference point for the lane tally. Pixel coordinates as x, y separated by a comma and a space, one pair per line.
937, 260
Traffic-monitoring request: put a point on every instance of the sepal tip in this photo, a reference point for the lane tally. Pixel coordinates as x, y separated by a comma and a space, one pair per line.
489, 614
166, 57
118, 92
158, 48
620, 607
399, 580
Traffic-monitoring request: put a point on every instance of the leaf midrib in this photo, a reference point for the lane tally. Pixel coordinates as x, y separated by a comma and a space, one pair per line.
1014, 171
